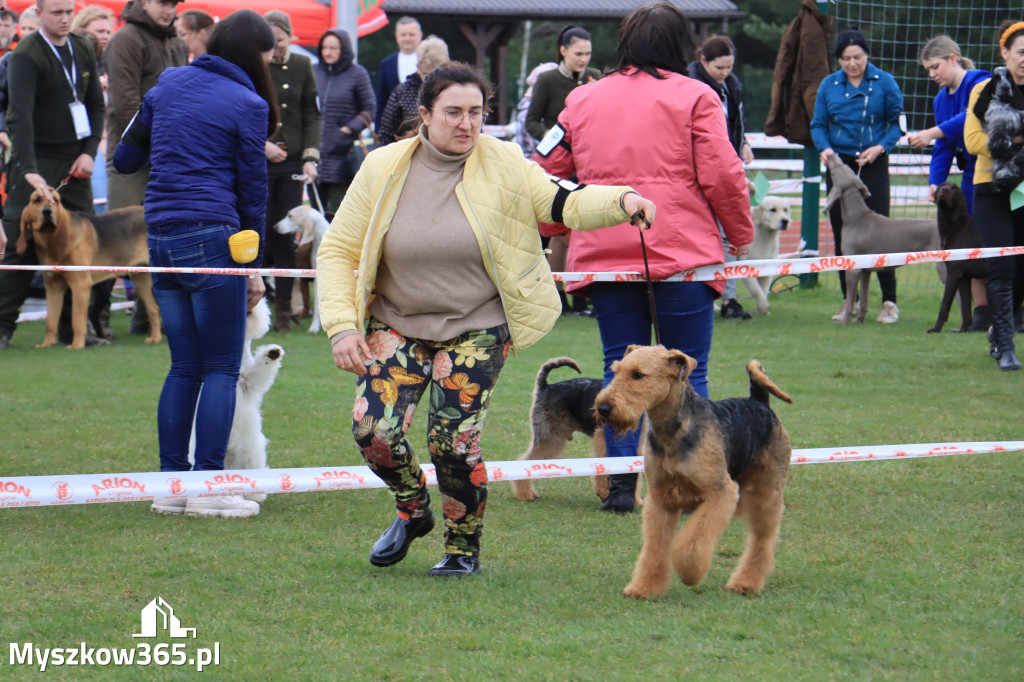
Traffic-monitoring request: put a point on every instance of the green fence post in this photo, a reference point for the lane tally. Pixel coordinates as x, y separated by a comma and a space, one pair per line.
809, 211
809, 217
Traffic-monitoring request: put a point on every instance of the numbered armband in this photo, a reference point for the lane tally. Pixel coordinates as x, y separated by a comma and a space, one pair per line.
554, 138
565, 188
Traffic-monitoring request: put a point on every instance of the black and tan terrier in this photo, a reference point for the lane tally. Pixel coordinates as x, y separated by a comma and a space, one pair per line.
559, 411
714, 458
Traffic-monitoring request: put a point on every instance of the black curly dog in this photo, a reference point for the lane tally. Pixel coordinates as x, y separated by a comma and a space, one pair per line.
1004, 123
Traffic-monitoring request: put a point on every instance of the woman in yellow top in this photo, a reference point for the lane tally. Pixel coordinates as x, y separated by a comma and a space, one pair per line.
994, 130
441, 231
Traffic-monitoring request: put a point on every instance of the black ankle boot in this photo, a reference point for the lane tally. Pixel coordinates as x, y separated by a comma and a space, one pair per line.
1008, 361
456, 566
393, 545
621, 494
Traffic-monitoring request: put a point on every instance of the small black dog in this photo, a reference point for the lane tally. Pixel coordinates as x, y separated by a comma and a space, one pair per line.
560, 410
957, 231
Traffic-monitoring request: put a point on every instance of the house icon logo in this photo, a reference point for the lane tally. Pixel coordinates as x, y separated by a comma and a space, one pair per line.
158, 614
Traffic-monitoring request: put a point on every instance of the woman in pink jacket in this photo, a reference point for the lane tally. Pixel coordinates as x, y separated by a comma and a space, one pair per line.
651, 126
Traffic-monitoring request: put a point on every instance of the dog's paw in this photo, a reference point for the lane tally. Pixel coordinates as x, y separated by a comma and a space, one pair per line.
636, 590
743, 586
936, 330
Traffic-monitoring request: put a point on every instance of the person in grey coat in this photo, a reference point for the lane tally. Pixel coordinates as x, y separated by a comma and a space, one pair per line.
347, 106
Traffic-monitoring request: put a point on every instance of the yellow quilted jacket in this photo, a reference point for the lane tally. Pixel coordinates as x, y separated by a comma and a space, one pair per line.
503, 196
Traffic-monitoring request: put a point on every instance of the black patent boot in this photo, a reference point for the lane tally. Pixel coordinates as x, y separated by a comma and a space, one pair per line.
393, 545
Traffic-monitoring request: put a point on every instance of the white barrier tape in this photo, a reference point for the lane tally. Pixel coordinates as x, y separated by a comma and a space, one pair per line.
707, 273
36, 491
128, 269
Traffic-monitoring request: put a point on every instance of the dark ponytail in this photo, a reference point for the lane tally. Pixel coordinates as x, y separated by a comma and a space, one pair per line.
567, 36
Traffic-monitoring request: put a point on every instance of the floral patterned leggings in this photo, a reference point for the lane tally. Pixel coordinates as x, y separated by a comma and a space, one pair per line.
461, 373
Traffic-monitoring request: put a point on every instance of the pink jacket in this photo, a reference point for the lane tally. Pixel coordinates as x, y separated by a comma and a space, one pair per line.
668, 140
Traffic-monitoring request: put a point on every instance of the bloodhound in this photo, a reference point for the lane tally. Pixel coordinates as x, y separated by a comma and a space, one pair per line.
63, 237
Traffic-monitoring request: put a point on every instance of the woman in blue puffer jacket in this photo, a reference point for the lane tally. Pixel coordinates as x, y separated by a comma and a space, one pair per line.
203, 127
347, 106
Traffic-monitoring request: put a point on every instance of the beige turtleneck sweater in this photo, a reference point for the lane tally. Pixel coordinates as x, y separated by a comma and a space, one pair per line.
431, 283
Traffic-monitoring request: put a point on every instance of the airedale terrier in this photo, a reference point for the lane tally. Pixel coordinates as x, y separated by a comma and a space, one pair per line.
558, 411
716, 458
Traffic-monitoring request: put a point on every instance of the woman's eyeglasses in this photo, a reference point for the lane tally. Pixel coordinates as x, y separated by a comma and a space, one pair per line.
455, 118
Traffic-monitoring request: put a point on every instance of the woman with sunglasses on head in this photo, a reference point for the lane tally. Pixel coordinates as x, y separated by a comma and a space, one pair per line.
993, 130
650, 121
857, 118
441, 231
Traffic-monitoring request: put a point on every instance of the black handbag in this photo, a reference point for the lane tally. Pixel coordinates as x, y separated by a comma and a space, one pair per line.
360, 149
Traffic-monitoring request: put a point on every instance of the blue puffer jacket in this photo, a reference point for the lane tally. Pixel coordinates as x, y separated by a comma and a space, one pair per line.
849, 120
203, 127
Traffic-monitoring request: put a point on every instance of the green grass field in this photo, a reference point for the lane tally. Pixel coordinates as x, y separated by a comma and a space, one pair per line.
893, 570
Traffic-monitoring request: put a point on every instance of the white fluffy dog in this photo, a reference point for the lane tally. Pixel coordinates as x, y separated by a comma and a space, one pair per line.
247, 446
770, 217
311, 225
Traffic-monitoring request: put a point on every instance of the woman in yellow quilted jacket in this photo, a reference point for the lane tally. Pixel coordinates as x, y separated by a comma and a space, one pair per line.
431, 271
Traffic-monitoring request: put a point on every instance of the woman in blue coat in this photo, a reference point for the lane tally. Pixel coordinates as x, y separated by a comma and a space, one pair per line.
203, 128
856, 116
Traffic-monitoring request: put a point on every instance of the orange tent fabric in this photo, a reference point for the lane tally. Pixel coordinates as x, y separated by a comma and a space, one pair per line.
309, 18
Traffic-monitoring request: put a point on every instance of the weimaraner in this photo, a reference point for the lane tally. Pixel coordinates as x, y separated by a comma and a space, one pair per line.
865, 232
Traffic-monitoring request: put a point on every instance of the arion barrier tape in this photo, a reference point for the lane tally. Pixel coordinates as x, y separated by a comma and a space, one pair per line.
707, 273
36, 491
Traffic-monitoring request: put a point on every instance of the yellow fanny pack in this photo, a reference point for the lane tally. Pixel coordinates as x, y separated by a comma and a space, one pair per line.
245, 246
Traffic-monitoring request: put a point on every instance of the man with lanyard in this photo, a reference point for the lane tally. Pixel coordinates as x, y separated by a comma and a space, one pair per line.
55, 117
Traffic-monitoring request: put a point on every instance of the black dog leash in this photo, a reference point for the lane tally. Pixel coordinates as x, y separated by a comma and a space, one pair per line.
636, 219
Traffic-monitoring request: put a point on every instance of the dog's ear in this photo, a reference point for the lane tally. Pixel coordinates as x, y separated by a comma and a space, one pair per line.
833, 196
682, 363
630, 348
864, 191
755, 214
24, 235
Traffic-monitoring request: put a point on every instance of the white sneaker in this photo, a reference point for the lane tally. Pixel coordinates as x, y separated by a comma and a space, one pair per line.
890, 313
168, 505
228, 506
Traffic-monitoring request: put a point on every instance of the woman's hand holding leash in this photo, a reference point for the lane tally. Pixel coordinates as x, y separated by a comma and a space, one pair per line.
347, 352
640, 210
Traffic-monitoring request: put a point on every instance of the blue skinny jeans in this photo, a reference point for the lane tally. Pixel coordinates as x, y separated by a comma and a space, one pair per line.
204, 319
686, 317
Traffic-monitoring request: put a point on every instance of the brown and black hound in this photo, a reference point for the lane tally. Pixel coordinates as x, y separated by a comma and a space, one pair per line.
63, 237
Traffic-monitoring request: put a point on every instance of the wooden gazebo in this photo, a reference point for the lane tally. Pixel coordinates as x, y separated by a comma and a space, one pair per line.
489, 25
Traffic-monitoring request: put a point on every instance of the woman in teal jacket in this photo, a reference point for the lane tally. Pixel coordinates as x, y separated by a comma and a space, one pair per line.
856, 116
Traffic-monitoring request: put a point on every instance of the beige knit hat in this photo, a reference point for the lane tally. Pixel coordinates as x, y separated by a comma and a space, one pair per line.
278, 19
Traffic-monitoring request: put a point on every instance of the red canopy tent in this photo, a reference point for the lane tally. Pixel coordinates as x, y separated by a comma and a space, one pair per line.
309, 18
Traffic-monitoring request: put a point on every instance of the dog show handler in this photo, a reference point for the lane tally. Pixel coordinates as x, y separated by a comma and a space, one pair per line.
650, 122
993, 131
441, 232
195, 202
